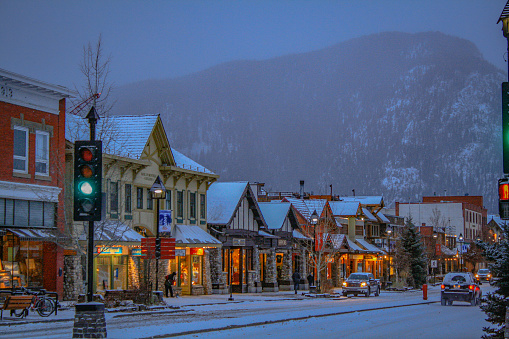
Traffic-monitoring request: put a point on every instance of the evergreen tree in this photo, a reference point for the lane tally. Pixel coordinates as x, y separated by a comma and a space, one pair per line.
412, 246
496, 303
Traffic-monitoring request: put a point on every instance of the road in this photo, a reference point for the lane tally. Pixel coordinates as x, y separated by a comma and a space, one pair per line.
395, 315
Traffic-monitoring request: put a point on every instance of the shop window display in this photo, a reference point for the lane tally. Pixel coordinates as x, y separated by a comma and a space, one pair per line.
20, 262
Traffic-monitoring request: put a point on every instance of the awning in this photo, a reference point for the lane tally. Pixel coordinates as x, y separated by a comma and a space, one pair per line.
32, 234
194, 236
267, 235
369, 247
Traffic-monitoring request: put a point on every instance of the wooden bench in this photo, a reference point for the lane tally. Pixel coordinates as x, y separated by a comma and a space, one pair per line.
17, 302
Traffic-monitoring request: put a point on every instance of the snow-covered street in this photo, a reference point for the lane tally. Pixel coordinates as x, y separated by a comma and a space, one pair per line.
284, 315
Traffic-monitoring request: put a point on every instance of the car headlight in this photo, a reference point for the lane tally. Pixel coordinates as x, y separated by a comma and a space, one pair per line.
363, 284
477, 275
489, 275
345, 284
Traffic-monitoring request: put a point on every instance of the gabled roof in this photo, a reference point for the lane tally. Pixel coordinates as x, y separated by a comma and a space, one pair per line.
274, 213
368, 215
194, 236
382, 217
127, 136
306, 207
345, 208
223, 199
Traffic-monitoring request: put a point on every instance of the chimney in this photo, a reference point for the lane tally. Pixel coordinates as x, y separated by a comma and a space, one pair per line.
302, 189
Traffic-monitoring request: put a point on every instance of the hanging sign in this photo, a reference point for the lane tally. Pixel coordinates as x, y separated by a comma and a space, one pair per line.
165, 221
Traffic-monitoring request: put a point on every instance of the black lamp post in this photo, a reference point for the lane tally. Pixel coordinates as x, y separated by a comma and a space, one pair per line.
158, 192
314, 221
460, 239
389, 233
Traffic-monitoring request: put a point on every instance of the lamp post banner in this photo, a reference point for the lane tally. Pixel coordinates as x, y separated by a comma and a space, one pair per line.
165, 220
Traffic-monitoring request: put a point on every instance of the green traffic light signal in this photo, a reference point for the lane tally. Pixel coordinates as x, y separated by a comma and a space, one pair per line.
87, 180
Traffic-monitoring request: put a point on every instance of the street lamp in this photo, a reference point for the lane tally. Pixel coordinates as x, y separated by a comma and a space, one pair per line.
460, 239
158, 192
389, 233
314, 221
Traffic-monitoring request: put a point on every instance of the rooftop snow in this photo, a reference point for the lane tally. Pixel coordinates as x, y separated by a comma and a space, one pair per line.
222, 200
194, 235
274, 213
369, 247
365, 200
383, 217
344, 208
368, 215
307, 207
186, 163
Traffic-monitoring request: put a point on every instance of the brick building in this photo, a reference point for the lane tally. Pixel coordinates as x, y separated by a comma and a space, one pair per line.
32, 125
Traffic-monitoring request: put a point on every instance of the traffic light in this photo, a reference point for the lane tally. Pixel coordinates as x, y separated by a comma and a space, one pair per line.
158, 248
505, 126
503, 198
87, 180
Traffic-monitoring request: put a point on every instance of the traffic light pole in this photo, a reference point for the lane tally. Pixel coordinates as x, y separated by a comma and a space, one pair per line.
92, 117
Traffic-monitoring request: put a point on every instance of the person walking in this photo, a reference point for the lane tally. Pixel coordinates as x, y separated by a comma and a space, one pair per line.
168, 284
296, 280
311, 279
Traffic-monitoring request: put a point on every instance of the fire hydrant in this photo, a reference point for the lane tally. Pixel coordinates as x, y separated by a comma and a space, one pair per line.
425, 292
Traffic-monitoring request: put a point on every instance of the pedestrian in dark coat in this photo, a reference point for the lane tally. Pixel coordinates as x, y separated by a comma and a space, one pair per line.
296, 280
168, 284
311, 279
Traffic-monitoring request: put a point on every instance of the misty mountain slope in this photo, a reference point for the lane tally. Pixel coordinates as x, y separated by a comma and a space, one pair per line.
397, 114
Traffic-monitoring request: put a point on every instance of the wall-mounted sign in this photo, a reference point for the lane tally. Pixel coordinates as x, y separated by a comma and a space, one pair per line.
281, 242
136, 251
165, 221
238, 242
108, 250
197, 251
180, 253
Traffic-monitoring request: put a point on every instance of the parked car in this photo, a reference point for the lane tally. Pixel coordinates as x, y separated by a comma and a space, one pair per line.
484, 274
460, 286
361, 283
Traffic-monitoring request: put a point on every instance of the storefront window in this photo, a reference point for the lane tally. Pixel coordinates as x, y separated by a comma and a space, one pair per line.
184, 272
21, 262
236, 266
197, 269
111, 272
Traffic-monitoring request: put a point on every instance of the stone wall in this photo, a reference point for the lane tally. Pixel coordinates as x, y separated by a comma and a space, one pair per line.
207, 281
135, 272
270, 283
73, 278
217, 276
286, 282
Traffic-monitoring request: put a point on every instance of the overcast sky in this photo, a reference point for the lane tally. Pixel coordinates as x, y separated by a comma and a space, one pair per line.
160, 39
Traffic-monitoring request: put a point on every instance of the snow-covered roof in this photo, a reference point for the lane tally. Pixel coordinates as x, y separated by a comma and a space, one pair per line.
274, 213
369, 247
344, 208
222, 200
267, 235
353, 246
383, 217
497, 219
194, 235
447, 251
114, 231
337, 240
124, 135
186, 163
306, 207
298, 235
368, 215
365, 200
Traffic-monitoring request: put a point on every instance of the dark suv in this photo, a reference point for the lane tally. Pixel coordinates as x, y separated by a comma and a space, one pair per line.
361, 283
459, 286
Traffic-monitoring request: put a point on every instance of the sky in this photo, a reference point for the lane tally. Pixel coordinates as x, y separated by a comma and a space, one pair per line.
165, 39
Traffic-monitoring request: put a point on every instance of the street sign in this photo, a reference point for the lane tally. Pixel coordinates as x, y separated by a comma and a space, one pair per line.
148, 248
434, 263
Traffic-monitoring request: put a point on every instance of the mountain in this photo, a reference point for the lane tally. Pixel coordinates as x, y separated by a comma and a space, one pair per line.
403, 115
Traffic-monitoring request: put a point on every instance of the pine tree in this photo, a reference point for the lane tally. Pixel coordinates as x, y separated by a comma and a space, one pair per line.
497, 302
413, 247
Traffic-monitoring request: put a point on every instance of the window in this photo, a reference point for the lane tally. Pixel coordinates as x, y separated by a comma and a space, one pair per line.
139, 198
202, 206
192, 205
27, 213
180, 204
114, 196
41, 153
150, 204
20, 149
168, 200
128, 200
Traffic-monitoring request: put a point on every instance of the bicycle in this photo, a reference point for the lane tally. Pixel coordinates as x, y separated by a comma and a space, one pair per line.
41, 303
